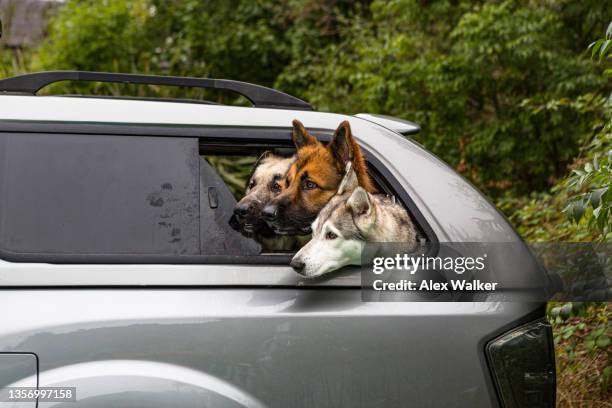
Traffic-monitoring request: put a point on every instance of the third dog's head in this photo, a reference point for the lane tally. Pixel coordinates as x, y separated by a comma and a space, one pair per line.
337, 239
313, 178
265, 183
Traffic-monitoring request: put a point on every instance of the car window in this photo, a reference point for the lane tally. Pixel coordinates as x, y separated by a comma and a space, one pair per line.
216, 208
93, 194
130, 199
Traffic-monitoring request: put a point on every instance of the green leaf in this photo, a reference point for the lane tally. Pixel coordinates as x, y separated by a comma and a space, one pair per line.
605, 48
576, 211
555, 312
596, 212
602, 217
594, 47
609, 31
603, 341
590, 344
595, 196
566, 311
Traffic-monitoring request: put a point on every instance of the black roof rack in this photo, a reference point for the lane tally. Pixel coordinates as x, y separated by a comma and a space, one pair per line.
259, 96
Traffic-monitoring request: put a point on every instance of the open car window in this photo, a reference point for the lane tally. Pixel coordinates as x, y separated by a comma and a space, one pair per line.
114, 198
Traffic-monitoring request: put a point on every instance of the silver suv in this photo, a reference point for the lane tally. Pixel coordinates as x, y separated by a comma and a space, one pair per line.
121, 278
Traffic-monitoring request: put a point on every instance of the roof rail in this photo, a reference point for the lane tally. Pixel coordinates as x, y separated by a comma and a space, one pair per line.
260, 96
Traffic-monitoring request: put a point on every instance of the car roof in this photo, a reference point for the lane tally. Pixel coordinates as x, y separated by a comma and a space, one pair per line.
108, 110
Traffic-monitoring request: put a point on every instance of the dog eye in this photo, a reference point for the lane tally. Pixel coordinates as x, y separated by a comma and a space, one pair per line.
330, 235
310, 185
252, 184
276, 187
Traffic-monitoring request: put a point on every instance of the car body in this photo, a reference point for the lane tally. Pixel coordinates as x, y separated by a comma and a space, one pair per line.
143, 329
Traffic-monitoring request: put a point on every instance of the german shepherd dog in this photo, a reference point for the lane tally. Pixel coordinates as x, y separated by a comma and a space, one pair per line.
313, 179
352, 218
264, 183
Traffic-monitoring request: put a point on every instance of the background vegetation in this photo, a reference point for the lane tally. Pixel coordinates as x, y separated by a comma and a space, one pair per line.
515, 94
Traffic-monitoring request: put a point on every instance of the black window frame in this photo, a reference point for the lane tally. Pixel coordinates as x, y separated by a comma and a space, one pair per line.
247, 137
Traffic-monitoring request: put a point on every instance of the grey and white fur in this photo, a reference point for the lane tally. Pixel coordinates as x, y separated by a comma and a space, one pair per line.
352, 218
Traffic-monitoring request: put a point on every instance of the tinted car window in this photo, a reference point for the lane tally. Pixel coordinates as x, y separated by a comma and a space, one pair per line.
216, 208
118, 198
94, 194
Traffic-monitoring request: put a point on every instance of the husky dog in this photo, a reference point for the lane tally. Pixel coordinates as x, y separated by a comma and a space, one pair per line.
263, 185
313, 178
352, 218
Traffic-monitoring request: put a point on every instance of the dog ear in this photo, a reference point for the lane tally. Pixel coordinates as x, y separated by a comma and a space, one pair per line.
342, 144
349, 182
359, 202
261, 158
300, 135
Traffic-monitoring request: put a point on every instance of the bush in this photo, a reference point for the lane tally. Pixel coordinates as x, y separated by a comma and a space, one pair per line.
499, 88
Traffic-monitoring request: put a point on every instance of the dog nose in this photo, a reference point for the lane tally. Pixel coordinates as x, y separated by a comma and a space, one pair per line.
297, 265
241, 210
270, 212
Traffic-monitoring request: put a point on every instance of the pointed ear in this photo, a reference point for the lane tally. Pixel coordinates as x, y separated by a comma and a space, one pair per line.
261, 158
343, 144
301, 137
359, 202
349, 182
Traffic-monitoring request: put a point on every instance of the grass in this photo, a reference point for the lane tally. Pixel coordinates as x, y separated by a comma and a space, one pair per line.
583, 354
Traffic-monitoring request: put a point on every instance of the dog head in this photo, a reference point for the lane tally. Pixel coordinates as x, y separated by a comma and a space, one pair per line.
337, 240
265, 183
313, 178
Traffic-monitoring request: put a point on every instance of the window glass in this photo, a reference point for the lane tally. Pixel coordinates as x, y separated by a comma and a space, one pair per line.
79, 194
94, 194
216, 209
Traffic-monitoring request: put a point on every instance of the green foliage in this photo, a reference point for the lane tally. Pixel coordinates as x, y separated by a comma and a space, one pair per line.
103, 35
538, 218
12, 62
582, 331
585, 195
235, 39
602, 48
499, 89
591, 183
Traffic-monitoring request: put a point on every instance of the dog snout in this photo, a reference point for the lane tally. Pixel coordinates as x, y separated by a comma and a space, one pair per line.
242, 209
270, 213
298, 265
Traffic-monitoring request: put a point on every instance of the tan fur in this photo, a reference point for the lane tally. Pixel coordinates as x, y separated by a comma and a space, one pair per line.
322, 165
269, 171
